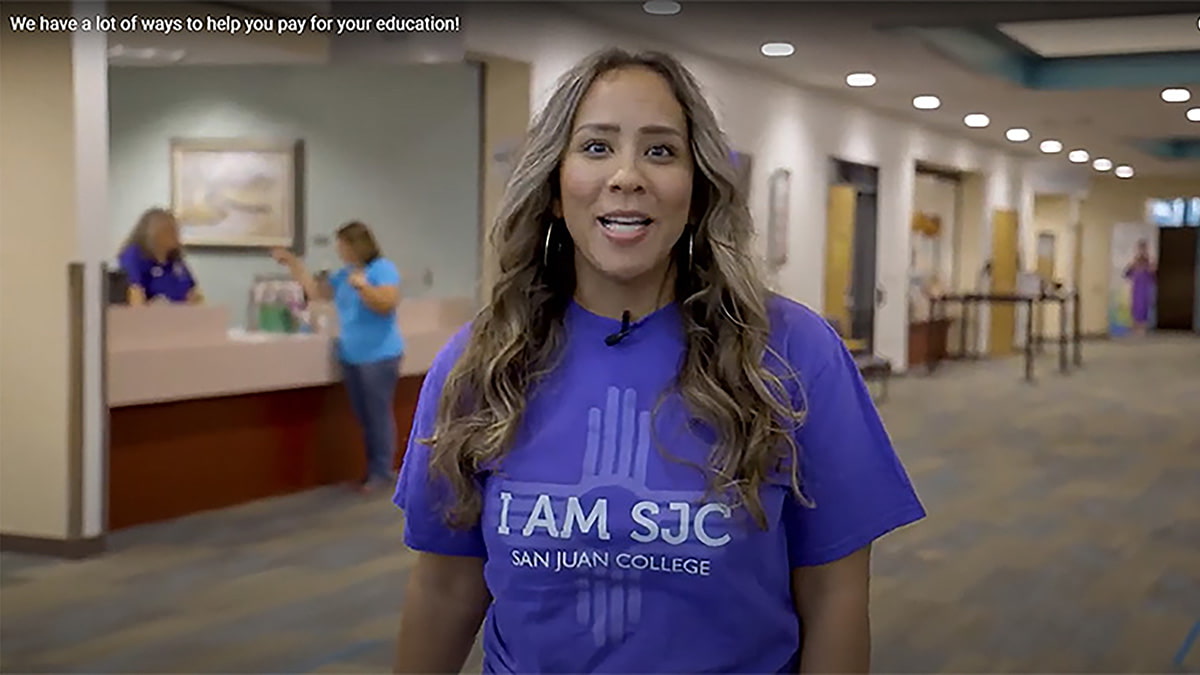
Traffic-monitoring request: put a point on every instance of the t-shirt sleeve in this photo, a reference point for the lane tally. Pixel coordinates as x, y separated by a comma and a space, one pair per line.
189, 279
383, 273
421, 495
856, 487
132, 265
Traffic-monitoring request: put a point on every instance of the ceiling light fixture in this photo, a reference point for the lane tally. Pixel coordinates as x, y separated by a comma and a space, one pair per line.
1017, 135
777, 49
1102, 164
927, 102
1176, 95
860, 80
1051, 146
1124, 171
976, 120
1078, 156
661, 7
1193, 114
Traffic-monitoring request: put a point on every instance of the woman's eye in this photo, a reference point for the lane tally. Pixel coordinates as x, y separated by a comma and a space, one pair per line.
661, 151
595, 147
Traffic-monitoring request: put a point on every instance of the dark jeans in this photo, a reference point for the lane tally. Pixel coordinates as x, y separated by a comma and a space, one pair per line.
372, 388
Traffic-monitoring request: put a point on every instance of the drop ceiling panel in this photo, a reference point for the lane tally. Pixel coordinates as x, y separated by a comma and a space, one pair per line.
1097, 37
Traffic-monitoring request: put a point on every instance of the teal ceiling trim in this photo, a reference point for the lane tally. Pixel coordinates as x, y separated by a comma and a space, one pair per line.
982, 49
1128, 70
1187, 147
986, 49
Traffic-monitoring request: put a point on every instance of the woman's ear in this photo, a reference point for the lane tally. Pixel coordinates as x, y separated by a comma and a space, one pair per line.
556, 208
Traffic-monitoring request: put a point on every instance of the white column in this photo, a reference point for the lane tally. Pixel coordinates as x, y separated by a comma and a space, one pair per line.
89, 56
893, 242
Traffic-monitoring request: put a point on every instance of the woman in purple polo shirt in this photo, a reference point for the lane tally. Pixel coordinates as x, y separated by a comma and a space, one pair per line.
152, 259
636, 459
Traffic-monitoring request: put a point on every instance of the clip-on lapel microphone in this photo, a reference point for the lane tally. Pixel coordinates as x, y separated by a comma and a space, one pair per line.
626, 329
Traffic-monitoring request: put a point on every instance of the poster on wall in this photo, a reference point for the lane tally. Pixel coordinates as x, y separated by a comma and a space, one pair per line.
1131, 279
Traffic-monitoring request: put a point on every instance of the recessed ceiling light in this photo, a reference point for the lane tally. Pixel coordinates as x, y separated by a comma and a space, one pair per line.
778, 49
1193, 114
1176, 95
1078, 156
1051, 146
1017, 135
1102, 164
1124, 171
860, 80
927, 102
661, 7
976, 120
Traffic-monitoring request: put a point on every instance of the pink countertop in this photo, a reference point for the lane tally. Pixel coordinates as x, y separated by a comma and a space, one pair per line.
160, 354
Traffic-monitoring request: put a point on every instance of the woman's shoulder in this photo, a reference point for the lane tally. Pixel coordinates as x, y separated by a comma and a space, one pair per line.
800, 335
449, 354
132, 256
382, 263
793, 321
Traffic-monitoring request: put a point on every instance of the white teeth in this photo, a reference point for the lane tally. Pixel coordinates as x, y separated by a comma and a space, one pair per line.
624, 223
622, 227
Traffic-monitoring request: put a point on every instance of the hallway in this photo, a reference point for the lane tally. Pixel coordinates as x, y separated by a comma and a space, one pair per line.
1063, 536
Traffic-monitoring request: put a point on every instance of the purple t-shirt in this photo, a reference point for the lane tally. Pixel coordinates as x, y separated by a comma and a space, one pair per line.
602, 555
172, 279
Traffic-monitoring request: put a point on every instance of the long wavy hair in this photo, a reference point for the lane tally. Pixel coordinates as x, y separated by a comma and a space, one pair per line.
517, 337
140, 234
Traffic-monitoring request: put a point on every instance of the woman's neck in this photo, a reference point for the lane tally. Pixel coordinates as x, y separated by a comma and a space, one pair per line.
611, 298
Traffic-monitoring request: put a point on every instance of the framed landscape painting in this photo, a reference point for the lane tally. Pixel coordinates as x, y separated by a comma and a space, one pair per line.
236, 192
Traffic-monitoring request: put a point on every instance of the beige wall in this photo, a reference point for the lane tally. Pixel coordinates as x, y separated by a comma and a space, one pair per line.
505, 120
37, 238
1110, 201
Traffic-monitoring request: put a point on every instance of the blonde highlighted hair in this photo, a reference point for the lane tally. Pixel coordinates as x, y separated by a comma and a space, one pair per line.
518, 335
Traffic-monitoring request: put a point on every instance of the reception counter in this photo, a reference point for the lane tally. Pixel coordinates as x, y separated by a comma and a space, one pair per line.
204, 417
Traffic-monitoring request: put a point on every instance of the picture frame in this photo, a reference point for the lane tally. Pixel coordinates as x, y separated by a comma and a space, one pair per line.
779, 189
237, 192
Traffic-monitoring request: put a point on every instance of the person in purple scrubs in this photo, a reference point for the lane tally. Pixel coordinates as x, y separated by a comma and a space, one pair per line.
1141, 274
636, 459
152, 260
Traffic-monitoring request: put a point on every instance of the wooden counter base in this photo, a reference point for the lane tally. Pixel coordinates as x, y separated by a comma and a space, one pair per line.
173, 459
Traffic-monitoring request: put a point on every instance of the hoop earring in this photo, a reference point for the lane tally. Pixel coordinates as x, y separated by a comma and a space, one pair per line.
691, 241
546, 248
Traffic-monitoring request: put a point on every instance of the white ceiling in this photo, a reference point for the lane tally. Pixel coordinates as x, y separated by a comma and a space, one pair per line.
831, 42
1092, 37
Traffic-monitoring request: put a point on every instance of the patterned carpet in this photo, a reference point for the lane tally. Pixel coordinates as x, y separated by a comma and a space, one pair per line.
1064, 536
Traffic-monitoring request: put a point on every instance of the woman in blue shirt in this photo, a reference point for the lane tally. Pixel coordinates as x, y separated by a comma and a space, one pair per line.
366, 291
636, 459
152, 260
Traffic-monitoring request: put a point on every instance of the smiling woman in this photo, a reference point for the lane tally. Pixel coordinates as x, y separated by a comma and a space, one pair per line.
626, 189
633, 488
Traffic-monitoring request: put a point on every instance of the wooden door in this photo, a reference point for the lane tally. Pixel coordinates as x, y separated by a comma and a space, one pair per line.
839, 256
1176, 282
1003, 316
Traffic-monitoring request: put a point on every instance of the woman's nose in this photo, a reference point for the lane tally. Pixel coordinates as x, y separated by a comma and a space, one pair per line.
627, 178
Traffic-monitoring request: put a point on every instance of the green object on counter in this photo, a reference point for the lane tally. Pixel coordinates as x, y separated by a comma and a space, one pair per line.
275, 319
